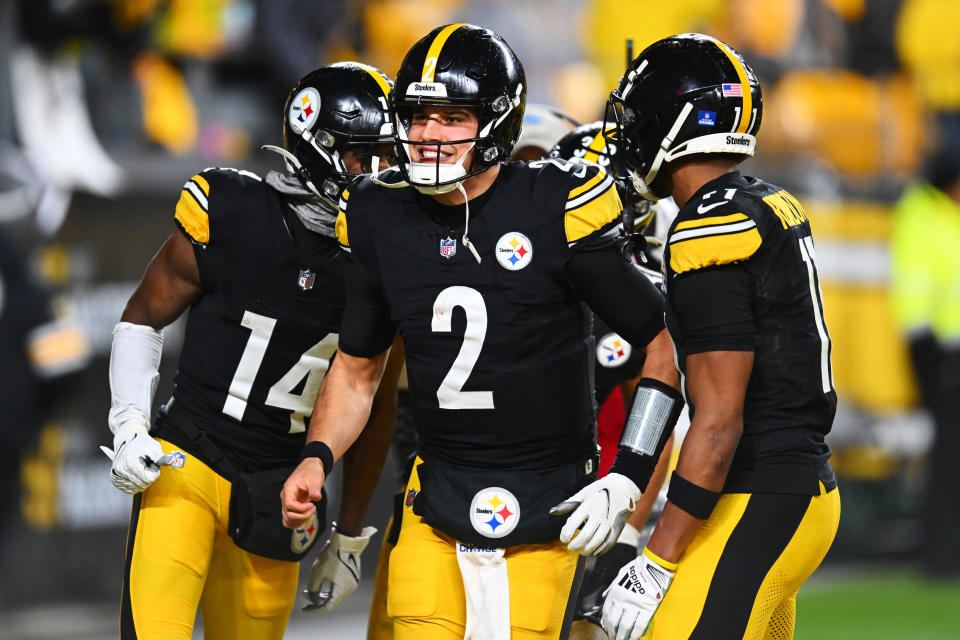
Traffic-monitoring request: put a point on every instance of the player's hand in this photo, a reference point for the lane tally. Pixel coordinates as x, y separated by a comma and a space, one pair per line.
300, 491
136, 459
633, 597
599, 512
336, 571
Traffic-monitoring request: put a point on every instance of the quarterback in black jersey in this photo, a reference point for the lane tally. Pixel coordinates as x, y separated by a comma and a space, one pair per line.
753, 505
256, 262
482, 268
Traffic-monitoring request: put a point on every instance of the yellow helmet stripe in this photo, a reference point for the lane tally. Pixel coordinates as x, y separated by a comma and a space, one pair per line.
746, 114
596, 147
378, 77
430, 62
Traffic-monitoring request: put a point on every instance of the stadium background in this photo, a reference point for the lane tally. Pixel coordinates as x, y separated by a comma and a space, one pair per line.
107, 106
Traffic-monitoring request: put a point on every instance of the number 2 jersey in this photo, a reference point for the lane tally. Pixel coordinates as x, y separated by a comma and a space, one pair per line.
259, 339
499, 353
741, 275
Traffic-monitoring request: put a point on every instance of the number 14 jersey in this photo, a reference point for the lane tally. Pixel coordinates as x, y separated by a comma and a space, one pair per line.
260, 338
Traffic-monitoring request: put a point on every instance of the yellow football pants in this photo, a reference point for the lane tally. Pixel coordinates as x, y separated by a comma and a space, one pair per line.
740, 575
179, 557
425, 594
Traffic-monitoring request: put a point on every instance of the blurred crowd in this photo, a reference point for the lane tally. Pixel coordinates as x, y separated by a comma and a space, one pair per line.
107, 99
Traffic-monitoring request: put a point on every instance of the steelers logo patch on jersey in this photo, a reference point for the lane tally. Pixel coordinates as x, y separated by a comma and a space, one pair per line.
494, 512
304, 109
304, 536
613, 351
514, 251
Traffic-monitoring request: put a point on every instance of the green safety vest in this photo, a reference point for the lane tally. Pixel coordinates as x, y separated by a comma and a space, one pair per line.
925, 268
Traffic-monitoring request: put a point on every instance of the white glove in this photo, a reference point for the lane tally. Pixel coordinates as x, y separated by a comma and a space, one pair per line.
336, 571
633, 597
604, 506
136, 459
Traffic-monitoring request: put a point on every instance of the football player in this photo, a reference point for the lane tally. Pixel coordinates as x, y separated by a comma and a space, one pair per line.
753, 504
617, 374
256, 262
483, 267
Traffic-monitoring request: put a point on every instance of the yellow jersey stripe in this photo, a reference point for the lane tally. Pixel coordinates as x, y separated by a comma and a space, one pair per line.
746, 114
706, 251
703, 222
593, 215
596, 147
586, 186
341, 229
193, 218
202, 183
378, 77
430, 62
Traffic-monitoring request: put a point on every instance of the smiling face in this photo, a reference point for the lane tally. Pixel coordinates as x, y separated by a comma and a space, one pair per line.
440, 125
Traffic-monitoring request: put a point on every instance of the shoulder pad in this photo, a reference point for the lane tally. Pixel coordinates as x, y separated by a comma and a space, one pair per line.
698, 242
591, 201
193, 208
192, 211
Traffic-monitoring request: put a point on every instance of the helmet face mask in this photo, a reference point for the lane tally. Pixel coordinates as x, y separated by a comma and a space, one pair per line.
337, 125
683, 95
465, 66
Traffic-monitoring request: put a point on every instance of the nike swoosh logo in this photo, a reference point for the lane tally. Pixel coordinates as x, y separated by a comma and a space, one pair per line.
704, 209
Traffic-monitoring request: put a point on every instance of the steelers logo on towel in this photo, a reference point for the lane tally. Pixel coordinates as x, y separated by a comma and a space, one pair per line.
494, 512
304, 109
612, 350
514, 251
304, 536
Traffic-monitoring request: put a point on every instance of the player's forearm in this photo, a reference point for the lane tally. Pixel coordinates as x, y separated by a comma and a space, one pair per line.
344, 401
644, 505
705, 458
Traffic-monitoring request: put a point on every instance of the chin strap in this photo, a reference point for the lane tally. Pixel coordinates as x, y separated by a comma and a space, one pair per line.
466, 223
297, 167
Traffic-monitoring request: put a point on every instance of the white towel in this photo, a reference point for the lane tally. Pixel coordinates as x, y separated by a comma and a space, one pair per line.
487, 590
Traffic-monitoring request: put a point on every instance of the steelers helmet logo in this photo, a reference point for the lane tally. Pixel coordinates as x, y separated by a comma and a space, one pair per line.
304, 109
612, 350
304, 536
514, 251
494, 512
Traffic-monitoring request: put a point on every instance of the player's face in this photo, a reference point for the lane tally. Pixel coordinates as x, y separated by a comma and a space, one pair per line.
359, 160
442, 124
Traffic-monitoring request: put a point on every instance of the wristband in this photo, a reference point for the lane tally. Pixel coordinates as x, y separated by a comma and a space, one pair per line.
693, 499
666, 564
318, 449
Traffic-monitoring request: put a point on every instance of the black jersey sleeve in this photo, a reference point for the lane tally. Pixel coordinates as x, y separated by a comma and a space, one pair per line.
367, 329
715, 308
617, 292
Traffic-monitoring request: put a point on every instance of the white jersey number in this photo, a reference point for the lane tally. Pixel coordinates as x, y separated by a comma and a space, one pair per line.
312, 365
450, 394
810, 259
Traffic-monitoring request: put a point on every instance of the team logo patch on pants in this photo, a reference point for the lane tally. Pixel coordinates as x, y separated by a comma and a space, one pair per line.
494, 512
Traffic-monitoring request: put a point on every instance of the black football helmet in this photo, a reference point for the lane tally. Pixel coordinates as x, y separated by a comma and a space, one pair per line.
460, 65
591, 143
337, 114
682, 95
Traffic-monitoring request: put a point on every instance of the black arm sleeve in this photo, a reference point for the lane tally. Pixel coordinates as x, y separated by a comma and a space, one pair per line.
715, 309
367, 329
617, 292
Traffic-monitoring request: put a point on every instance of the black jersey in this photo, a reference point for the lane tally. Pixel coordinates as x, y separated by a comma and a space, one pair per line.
741, 275
499, 353
260, 338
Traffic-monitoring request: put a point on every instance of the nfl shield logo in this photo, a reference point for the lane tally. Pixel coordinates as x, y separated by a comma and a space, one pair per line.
305, 281
448, 247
